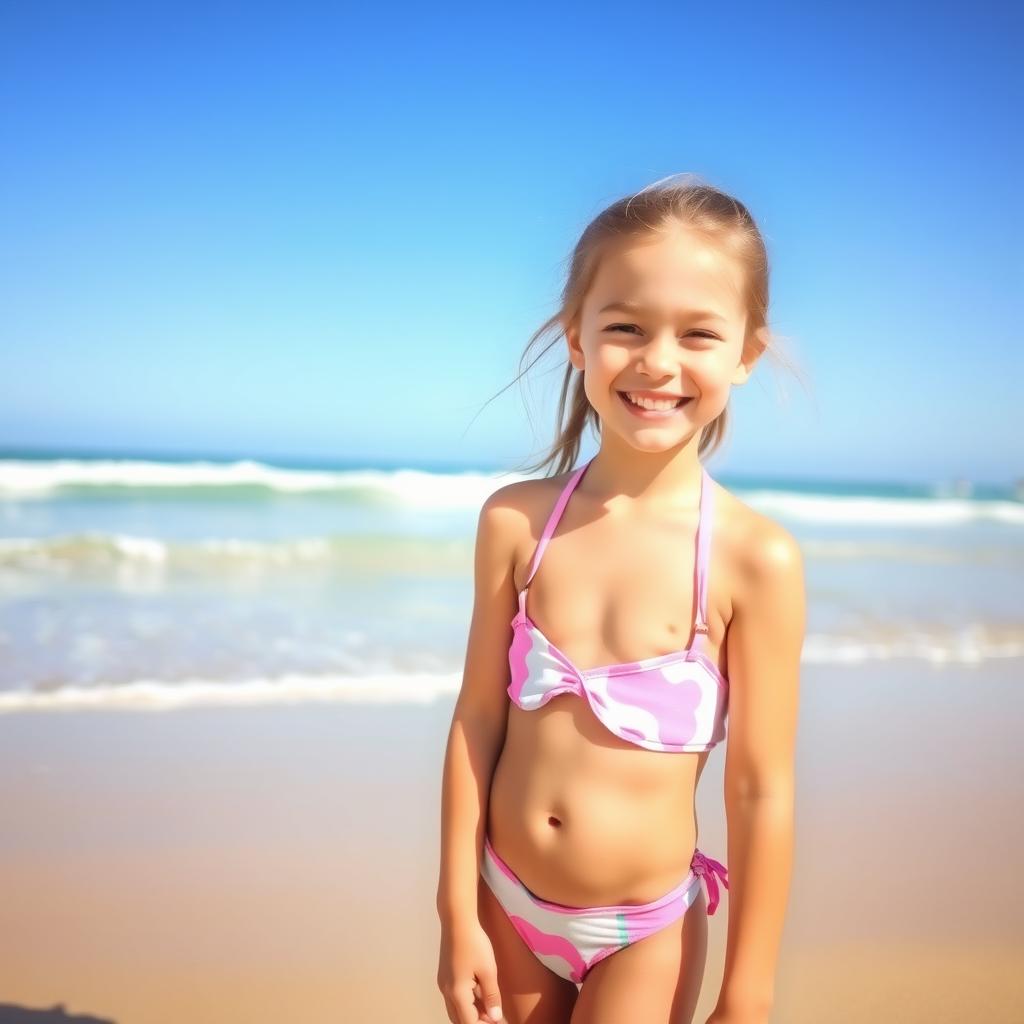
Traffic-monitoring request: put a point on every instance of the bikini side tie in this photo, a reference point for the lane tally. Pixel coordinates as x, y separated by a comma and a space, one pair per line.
708, 868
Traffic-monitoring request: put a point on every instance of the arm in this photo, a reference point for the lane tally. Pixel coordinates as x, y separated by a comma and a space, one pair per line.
764, 642
481, 711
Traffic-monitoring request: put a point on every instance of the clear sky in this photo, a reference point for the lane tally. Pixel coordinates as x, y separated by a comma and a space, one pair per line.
305, 230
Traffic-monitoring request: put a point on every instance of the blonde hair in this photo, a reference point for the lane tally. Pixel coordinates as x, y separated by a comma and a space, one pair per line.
679, 200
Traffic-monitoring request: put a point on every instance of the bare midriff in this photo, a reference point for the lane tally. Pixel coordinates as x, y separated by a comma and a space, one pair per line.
585, 818
582, 816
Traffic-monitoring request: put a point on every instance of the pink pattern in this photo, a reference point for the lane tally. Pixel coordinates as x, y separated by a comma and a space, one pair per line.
708, 868
570, 940
669, 702
551, 945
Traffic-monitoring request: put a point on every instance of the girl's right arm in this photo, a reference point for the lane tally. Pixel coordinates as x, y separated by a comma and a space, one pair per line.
475, 740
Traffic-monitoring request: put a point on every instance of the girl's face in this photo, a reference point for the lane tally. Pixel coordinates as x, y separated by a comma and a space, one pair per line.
663, 317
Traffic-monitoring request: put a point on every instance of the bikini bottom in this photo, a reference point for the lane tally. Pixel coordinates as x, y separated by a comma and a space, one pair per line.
570, 940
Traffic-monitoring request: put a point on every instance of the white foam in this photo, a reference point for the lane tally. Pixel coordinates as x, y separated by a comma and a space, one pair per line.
866, 510
144, 549
154, 695
94, 551
414, 488
23, 478
965, 647
971, 645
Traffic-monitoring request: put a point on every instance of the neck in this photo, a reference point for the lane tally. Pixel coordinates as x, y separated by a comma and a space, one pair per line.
656, 479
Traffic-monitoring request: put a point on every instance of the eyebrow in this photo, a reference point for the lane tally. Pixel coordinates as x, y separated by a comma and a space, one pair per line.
632, 307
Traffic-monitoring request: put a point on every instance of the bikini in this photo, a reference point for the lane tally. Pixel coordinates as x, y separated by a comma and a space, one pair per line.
674, 702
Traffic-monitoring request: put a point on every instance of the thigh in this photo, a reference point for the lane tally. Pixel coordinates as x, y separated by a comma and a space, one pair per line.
530, 992
656, 979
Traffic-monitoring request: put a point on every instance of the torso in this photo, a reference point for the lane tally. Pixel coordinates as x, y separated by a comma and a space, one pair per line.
583, 817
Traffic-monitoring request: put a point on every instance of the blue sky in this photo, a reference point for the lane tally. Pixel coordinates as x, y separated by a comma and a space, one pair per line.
314, 231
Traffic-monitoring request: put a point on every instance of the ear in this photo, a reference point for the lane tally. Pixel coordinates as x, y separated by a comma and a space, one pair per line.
572, 340
752, 351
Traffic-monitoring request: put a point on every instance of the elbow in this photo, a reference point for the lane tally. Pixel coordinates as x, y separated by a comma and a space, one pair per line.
749, 788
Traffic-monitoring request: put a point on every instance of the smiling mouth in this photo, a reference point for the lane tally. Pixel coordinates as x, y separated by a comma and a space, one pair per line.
639, 410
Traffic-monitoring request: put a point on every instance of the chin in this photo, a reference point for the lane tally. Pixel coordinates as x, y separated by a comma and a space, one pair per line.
650, 444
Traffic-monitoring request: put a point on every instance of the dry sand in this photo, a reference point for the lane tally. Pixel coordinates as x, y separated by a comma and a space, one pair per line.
280, 863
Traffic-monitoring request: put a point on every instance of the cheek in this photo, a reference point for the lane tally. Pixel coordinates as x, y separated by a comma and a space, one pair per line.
605, 366
714, 373
605, 356
715, 388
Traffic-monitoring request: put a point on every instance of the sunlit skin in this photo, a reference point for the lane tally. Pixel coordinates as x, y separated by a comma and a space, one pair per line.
562, 799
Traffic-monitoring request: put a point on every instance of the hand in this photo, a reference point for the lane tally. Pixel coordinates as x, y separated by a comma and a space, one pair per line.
467, 974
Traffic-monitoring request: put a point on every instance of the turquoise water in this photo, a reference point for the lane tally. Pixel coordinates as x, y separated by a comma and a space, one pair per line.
133, 580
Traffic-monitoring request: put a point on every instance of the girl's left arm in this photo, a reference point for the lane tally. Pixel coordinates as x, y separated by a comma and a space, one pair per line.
764, 642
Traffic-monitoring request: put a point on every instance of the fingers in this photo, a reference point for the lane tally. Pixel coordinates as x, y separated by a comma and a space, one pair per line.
460, 1006
486, 991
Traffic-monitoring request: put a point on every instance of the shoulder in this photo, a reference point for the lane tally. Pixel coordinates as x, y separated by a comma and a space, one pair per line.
523, 501
765, 558
513, 515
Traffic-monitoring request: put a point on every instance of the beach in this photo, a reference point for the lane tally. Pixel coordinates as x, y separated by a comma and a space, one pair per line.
225, 693
308, 316
272, 863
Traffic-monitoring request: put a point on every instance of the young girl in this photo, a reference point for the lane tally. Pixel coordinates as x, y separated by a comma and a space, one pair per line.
621, 610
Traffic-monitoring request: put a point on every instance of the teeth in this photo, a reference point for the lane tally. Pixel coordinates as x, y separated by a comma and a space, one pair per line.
657, 405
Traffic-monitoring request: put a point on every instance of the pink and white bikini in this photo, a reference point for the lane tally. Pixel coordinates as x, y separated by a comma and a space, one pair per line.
673, 702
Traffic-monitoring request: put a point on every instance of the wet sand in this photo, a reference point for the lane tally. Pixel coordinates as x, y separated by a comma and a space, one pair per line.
280, 863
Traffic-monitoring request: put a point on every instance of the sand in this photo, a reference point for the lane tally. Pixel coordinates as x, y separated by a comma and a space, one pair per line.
280, 863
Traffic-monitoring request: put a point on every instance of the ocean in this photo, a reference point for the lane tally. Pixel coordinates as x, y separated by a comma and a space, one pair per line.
150, 583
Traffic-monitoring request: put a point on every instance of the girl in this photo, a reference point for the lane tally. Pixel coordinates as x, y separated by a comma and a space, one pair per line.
570, 878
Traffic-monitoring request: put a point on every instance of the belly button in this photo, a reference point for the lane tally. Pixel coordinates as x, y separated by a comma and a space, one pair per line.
553, 821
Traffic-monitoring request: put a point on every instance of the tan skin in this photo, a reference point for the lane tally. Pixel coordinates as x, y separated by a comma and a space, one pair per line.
582, 816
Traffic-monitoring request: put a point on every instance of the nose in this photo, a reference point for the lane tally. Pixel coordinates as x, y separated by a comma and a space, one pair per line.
660, 355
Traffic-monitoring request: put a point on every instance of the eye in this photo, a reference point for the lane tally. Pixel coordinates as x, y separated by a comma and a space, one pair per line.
629, 327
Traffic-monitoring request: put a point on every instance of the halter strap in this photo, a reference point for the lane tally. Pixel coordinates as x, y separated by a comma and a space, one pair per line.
703, 543
704, 521
549, 527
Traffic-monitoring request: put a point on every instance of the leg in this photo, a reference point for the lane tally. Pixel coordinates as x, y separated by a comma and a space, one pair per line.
656, 979
530, 993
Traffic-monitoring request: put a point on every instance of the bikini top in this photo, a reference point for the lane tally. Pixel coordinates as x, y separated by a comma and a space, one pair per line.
670, 702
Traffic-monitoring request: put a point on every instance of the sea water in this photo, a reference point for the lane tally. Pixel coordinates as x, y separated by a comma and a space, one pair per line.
149, 582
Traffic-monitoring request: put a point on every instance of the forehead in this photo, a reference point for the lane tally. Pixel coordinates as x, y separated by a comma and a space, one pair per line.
675, 272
